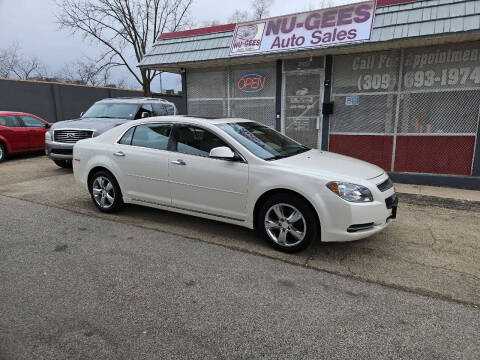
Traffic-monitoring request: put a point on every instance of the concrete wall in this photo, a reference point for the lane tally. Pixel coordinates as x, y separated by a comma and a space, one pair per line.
56, 102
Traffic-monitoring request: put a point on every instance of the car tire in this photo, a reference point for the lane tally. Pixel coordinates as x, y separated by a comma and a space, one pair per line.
65, 164
105, 192
3, 152
288, 222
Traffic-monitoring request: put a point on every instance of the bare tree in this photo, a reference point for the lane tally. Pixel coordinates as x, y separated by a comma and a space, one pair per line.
125, 27
15, 64
29, 67
239, 16
324, 4
261, 8
88, 72
213, 22
9, 59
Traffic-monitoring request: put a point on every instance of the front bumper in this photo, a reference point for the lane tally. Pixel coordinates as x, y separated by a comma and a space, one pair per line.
359, 221
59, 151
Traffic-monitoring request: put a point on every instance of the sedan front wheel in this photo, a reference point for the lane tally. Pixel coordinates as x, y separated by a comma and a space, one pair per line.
288, 222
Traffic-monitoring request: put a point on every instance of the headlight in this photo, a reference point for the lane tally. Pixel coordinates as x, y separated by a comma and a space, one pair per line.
351, 192
48, 136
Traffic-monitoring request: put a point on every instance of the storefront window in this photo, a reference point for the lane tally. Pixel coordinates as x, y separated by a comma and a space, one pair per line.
244, 91
365, 93
419, 107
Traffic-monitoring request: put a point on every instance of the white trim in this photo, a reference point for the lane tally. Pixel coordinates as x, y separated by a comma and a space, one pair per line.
284, 98
410, 91
227, 99
364, 134
437, 90
435, 134
404, 134
365, 93
475, 143
397, 111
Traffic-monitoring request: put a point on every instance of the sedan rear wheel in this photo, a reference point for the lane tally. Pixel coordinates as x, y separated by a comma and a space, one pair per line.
288, 222
105, 192
3, 152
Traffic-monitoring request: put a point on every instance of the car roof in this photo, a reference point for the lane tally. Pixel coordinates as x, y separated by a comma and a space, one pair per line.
5, 113
134, 100
191, 120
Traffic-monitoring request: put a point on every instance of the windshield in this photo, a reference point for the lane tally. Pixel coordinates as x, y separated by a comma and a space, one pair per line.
263, 141
117, 111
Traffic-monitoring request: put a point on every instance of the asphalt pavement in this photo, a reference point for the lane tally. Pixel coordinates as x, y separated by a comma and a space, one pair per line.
73, 286
432, 248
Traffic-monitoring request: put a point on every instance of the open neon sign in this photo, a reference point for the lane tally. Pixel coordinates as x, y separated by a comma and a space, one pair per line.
252, 83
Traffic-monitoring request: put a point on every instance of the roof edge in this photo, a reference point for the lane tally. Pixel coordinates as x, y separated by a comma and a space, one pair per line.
200, 31
383, 3
231, 27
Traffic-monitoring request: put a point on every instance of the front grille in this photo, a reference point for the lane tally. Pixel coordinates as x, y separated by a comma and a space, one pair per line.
386, 185
62, 151
71, 136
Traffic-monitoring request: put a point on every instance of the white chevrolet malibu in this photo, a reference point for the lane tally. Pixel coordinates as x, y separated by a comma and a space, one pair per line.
240, 172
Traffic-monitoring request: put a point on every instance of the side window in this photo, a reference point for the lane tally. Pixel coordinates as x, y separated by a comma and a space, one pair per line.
160, 110
197, 141
29, 121
9, 121
152, 136
144, 108
127, 137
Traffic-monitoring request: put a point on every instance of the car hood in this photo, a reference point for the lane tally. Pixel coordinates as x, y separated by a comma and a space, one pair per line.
332, 165
99, 125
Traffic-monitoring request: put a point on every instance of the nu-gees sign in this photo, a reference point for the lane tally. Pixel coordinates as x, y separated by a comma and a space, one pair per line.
320, 28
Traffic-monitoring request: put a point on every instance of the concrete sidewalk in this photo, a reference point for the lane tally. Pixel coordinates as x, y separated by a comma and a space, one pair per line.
438, 192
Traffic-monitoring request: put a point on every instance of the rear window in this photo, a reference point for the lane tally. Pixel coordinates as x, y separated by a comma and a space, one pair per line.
152, 136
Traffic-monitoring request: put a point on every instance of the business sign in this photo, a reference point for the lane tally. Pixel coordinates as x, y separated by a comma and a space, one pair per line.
251, 83
320, 28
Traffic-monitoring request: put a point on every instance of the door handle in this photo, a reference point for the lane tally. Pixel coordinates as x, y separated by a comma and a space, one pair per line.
178, 162
119, 153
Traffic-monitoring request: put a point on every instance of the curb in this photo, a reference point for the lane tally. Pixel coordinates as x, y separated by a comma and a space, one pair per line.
448, 203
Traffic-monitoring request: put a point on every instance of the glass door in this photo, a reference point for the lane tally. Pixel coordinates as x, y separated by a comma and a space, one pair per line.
302, 104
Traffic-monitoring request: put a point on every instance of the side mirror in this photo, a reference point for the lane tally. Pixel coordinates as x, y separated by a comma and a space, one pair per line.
222, 152
145, 114
82, 113
48, 125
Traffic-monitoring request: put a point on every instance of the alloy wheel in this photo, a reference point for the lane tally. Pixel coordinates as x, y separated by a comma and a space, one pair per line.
285, 225
103, 192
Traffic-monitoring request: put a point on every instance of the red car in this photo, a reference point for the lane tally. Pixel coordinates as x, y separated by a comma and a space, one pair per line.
21, 132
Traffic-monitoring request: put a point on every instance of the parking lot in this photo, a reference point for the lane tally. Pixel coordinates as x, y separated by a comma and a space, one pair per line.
430, 250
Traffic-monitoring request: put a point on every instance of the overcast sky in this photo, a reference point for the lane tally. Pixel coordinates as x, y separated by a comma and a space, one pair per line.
31, 24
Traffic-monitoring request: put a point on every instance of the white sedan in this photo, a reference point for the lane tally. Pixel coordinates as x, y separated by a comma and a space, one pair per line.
240, 172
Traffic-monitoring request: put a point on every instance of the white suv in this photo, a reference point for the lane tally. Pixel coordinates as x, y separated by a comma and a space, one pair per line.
100, 117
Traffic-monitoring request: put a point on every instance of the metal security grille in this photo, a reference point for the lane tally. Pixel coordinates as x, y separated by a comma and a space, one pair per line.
378, 114
221, 92
419, 106
71, 136
262, 110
